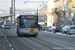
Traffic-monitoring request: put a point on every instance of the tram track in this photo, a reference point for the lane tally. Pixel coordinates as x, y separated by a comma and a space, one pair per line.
16, 42
61, 38
56, 38
42, 41
39, 40
49, 44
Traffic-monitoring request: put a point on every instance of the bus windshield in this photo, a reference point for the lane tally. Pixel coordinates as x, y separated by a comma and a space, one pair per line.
29, 22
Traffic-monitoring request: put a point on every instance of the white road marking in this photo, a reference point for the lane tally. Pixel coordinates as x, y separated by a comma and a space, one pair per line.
10, 45
12, 48
27, 45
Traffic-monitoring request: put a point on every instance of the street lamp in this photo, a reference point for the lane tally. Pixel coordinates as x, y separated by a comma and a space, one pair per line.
11, 11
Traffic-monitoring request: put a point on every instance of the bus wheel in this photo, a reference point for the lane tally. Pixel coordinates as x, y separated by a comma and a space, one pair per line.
35, 35
19, 35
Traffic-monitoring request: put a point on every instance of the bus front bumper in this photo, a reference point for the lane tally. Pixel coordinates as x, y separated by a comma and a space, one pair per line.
21, 33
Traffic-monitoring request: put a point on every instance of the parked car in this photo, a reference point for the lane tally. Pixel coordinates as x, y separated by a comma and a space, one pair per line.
71, 30
39, 27
2, 26
52, 28
64, 29
7, 26
46, 28
55, 29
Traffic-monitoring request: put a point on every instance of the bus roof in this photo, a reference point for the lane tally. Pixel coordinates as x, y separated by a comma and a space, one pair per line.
26, 14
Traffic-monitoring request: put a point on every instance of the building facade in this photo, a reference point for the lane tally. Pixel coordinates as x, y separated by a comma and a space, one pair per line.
42, 16
58, 13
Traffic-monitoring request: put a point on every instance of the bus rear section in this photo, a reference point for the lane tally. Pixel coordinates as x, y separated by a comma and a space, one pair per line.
28, 25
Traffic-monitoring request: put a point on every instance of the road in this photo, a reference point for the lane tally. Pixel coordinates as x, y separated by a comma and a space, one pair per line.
44, 41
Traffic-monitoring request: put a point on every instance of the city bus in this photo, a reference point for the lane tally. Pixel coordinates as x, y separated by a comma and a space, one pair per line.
27, 24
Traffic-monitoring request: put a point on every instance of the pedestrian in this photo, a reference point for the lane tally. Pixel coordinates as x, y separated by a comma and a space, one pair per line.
39, 27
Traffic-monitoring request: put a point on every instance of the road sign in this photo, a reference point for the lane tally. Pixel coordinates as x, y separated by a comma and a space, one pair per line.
72, 4
72, 11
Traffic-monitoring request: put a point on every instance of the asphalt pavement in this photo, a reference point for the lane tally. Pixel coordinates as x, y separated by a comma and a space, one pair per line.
44, 41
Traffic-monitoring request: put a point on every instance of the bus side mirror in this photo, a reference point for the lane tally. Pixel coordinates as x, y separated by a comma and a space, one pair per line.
18, 20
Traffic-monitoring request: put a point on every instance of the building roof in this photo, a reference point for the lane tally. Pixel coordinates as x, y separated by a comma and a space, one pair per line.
4, 16
42, 10
27, 14
43, 6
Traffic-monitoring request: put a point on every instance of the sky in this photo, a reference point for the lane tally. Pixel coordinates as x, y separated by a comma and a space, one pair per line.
19, 4
6, 4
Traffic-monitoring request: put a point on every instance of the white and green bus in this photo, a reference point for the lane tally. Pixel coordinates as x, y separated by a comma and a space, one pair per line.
27, 24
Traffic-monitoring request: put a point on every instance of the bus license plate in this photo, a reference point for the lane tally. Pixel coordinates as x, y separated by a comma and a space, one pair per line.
32, 31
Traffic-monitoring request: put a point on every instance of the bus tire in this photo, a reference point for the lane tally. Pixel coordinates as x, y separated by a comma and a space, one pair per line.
35, 35
19, 35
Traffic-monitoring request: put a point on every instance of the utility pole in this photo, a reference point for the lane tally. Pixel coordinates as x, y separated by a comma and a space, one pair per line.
11, 11
65, 12
37, 11
14, 11
65, 16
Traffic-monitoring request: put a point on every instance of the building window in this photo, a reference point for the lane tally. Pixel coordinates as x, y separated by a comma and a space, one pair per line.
56, 0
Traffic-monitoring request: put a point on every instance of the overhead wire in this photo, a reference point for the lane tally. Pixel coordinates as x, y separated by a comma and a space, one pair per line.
3, 6
21, 5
